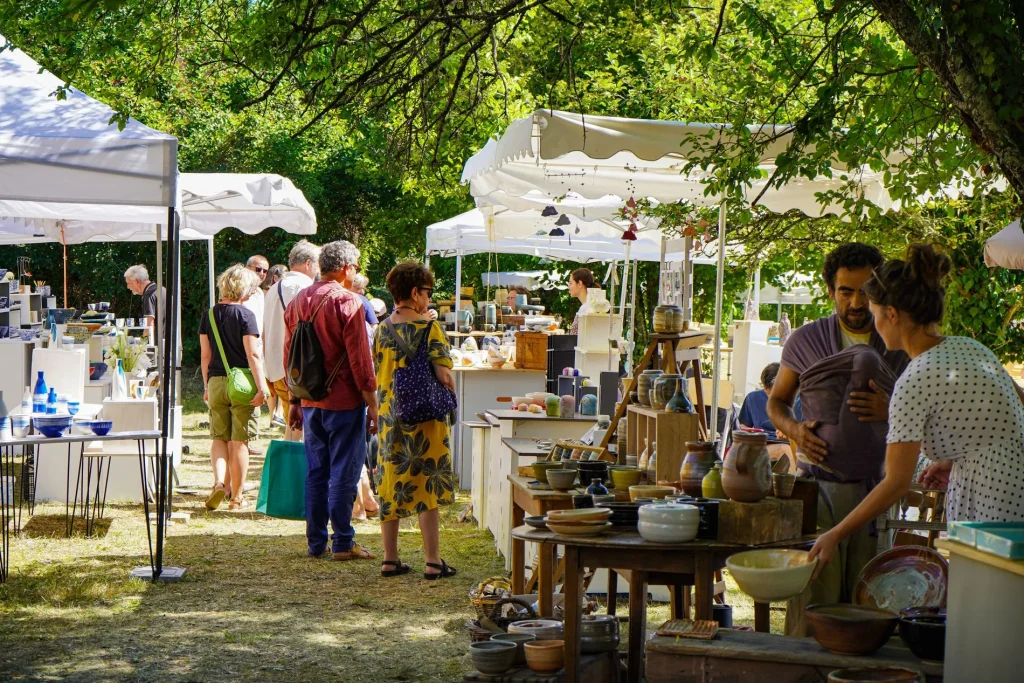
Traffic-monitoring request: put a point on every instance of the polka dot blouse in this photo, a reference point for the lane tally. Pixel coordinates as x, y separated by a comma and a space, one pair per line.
960, 403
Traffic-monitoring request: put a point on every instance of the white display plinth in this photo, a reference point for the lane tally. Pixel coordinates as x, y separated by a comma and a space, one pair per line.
63, 369
595, 330
747, 362
16, 361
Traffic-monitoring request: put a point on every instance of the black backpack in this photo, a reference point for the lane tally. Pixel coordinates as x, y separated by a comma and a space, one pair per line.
306, 375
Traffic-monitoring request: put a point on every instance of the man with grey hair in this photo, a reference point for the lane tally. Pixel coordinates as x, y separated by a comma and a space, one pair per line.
261, 266
137, 279
303, 268
335, 427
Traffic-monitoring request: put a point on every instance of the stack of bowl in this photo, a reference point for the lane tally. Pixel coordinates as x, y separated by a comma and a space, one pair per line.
668, 522
599, 633
624, 477
593, 469
623, 514
585, 522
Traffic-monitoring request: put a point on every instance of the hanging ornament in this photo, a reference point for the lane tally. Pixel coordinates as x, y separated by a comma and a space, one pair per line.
562, 220
549, 211
629, 236
540, 233
631, 203
557, 232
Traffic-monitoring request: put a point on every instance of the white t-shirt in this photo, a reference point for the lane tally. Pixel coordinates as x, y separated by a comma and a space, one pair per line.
961, 404
273, 321
255, 304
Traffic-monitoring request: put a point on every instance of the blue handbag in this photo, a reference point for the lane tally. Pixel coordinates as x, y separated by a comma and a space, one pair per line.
418, 395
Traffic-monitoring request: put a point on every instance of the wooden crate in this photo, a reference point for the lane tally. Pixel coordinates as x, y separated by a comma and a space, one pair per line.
531, 351
670, 431
768, 521
513, 320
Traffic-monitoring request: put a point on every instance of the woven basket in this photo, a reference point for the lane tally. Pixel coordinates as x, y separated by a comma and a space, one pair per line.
487, 597
478, 633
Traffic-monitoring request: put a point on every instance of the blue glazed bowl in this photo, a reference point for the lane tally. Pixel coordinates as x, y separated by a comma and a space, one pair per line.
101, 427
97, 370
52, 427
73, 407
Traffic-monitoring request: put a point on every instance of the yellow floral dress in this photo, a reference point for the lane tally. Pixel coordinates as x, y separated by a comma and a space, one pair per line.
414, 472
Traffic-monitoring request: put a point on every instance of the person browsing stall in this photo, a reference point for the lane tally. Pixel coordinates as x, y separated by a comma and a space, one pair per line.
580, 281
138, 282
955, 404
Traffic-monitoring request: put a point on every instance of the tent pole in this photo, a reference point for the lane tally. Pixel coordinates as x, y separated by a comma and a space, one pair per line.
210, 271
632, 305
687, 302
160, 305
458, 286
757, 291
717, 360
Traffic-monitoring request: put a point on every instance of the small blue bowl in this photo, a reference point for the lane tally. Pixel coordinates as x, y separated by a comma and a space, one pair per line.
100, 427
97, 370
73, 407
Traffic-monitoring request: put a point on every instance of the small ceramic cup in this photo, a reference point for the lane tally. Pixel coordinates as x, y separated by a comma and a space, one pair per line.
783, 484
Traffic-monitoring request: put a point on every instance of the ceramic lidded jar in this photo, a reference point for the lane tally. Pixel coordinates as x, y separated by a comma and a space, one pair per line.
700, 458
663, 390
567, 405
660, 322
644, 383
747, 472
588, 404
552, 406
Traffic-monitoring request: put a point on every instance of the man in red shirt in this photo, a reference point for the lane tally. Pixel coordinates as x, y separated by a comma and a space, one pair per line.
335, 427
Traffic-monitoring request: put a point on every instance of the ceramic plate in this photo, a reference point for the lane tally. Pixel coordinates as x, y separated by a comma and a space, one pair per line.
537, 521
579, 530
907, 576
579, 515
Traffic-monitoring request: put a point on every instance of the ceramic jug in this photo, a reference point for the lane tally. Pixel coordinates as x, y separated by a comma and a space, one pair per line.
644, 384
700, 458
747, 472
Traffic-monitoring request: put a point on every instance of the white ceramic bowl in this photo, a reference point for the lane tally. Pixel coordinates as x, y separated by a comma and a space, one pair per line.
538, 397
771, 575
542, 629
669, 513
678, 532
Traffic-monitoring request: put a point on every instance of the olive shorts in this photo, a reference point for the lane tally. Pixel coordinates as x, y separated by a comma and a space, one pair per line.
229, 421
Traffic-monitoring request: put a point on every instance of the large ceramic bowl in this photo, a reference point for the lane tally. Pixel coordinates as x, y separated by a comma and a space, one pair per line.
669, 513
561, 480
519, 639
923, 629
905, 576
542, 629
538, 397
667, 533
493, 656
582, 515
545, 656
647, 491
850, 629
624, 477
541, 467
516, 400
53, 426
771, 575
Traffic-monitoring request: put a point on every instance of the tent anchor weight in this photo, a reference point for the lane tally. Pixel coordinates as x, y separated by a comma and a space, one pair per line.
167, 574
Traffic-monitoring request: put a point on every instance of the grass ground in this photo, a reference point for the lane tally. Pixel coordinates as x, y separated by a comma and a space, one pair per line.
253, 606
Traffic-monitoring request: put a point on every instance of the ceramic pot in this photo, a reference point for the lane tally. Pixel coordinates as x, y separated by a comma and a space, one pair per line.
747, 472
588, 404
699, 460
599, 633
643, 386
874, 674
663, 388
561, 480
711, 485
545, 656
520, 639
783, 484
708, 528
620, 441
652, 464
567, 405
668, 319
680, 401
553, 406
493, 656
850, 629
543, 629
923, 629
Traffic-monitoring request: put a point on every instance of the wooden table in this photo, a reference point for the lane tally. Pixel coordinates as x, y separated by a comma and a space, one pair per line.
628, 550
526, 447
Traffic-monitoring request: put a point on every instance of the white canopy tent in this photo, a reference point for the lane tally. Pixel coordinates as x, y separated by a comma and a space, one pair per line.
550, 154
1006, 248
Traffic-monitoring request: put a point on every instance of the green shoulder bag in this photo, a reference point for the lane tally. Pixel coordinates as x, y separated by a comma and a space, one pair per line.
241, 385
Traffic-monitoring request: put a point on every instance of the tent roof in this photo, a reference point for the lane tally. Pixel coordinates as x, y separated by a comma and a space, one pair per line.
67, 150
556, 152
1006, 248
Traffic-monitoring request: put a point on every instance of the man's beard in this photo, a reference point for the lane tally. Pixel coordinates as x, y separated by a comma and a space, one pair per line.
862, 323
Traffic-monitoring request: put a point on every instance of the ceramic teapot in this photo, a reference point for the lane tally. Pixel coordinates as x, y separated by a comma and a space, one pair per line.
747, 472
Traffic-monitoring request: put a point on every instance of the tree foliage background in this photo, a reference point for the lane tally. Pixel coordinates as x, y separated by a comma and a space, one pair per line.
372, 106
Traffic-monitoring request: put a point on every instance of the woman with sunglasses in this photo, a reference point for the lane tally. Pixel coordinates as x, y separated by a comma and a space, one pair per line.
955, 404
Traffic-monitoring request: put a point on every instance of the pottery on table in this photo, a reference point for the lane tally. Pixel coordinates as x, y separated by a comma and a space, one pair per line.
609, 498
700, 458
875, 675
652, 464
668, 522
624, 477
536, 521
599, 633
644, 383
592, 469
588, 404
541, 467
648, 491
782, 484
662, 389
771, 575
541, 629
493, 656
580, 529
747, 471
583, 501
591, 515
905, 576
850, 629
668, 319
561, 479
711, 485
545, 656
520, 639
520, 400
567, 405
538, 398
553, 406
680, 401
923, 629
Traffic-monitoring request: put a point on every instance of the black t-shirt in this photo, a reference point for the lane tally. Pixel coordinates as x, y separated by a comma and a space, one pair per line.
233, 323
149, 307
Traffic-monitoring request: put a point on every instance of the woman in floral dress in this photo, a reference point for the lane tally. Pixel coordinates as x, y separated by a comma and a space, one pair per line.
415, 470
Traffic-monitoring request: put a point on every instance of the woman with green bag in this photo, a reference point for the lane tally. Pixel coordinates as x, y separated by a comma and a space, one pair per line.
232, 359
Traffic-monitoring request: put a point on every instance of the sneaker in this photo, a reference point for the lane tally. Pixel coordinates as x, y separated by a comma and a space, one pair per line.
278, 421
356, 552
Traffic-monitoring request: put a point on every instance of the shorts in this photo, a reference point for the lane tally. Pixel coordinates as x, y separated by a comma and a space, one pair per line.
228, 421
280, 389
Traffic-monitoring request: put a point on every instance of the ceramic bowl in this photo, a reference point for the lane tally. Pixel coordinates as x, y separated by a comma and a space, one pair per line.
541, 467
771, 575
586, 515
669, 513
783, 484
493, 656
99, 427
923, 629
541, 629
623, 478
517, 400
538, 397
648, 491
850, 629
52, 427
604, 498
573, 465
667, 533
905, 576
536, 521
873, 674
580, 528
520, 639
545, 656
561, 480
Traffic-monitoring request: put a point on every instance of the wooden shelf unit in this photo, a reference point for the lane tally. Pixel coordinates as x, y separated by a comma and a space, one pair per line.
670, 431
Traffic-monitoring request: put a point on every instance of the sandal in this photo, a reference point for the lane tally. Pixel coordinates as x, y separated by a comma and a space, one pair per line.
356, 552
238, 504
400, 568
216, 497
445, 572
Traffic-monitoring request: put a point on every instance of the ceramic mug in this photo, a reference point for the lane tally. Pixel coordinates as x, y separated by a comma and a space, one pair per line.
131, 322
118, 322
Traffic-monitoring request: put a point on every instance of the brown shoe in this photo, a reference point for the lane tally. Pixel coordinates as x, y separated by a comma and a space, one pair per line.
356, 552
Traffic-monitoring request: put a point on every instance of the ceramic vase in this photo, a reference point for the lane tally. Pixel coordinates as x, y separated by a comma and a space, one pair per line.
652, 464
668, 319
119, 387
711, 487
663, 390
567, 405
621, 436
588, 404
747, 472
700, 458
552, 406
680, 401
643, 386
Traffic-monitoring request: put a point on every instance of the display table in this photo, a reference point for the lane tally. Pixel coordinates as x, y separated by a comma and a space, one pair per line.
479, 389
983, 606
501, 461
743, 656
602, 667
626, 549
527, 501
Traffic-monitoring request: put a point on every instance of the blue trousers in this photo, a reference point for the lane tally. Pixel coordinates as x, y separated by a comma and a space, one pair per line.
335, 454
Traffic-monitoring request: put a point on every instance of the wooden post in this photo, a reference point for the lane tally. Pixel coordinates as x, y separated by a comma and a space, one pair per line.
573, 610
637, 625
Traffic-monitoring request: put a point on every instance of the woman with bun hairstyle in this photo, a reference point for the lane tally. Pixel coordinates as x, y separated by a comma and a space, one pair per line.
580, 280
955, 404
